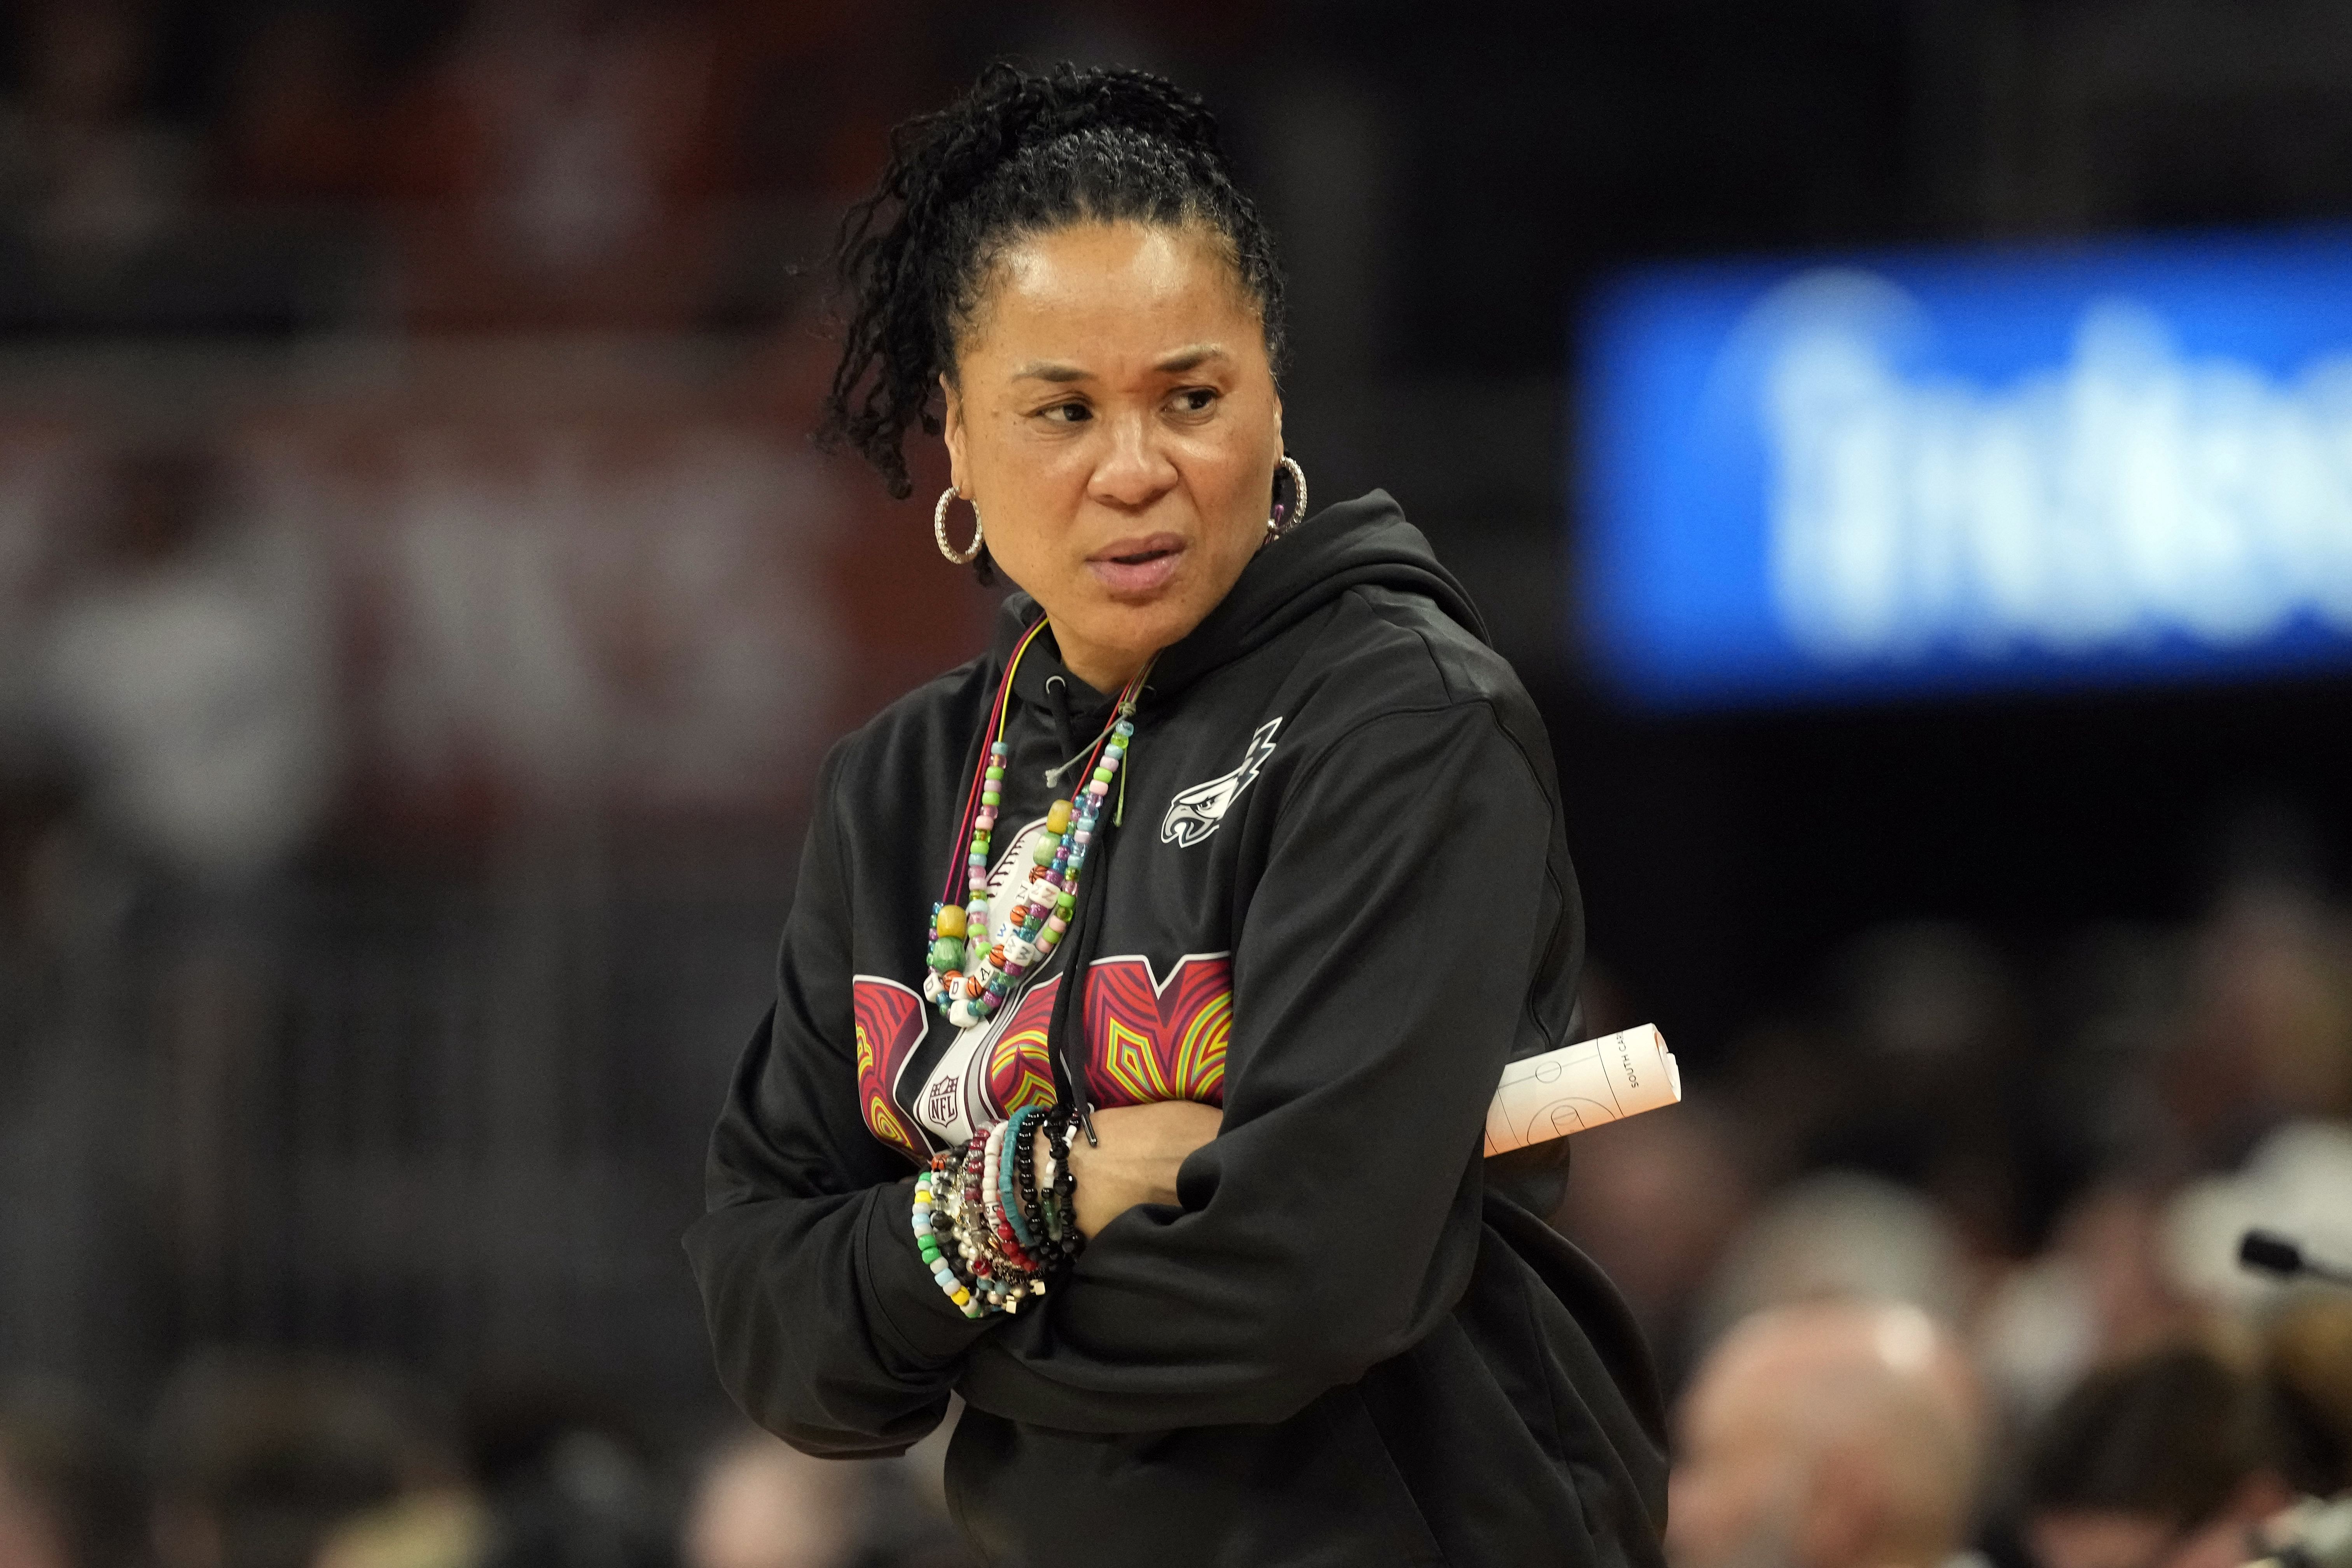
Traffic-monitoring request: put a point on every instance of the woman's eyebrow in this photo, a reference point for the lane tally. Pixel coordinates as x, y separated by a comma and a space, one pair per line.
1193, 358
1176, 363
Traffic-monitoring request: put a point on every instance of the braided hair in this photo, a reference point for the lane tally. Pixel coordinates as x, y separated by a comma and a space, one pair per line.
1021, 154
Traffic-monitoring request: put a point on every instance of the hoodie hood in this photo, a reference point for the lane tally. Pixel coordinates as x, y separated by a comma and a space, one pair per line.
1352, 544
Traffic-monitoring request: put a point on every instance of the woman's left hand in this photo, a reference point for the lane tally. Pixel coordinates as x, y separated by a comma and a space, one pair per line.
1135, 1160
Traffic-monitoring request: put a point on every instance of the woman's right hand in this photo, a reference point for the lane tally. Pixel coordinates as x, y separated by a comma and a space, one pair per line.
1135, 1159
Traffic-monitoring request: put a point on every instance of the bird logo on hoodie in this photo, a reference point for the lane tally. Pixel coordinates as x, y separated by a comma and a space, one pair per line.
1195, 813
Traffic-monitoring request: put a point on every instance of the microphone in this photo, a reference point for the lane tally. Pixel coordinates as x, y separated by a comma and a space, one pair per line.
2272, 1253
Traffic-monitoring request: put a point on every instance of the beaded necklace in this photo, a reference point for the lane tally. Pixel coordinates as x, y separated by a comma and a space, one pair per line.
1042, 911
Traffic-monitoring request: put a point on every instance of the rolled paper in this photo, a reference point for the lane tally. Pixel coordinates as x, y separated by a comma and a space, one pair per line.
1582, 1086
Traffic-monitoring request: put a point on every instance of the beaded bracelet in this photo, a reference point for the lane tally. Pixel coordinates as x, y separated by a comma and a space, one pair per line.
1066, 1181
1048, 1200
1057, 1234
930, 1248
1016, 1132
1018, 1234
1029, 1213
1051, 1205
1004, 1231
972, 1230
999, 1276
997, 1234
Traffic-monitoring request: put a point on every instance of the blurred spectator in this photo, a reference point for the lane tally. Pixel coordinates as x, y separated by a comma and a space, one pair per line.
297, 126
70, 1490
1654, 1200
2101, 1290
2167, 1461
1833, 1435
1838, 1234
1930, 1025
189, 674
445, 1528
260, 1459
2116, 998
760, 1504
34, 803
559, 167
96, 176
824, 80
568, 1482
1789, 1080
2268, 1036
2307, 1350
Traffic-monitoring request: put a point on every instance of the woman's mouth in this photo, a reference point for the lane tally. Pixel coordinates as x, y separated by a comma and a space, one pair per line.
1137, 568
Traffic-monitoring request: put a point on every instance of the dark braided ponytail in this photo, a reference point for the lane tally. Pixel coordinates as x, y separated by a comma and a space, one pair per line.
1022, 153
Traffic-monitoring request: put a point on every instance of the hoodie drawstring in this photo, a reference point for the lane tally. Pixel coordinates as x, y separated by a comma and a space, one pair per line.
1064, 1046
1058, 695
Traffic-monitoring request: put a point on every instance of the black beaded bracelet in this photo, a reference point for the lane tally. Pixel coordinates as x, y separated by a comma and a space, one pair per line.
1025, 1193
1056, 1198
1060, 1133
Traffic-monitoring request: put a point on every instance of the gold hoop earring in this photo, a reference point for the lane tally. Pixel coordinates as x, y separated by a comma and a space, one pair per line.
940, 528
1287, 515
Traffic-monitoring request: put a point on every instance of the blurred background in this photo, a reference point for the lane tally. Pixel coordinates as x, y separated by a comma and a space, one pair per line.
422, 614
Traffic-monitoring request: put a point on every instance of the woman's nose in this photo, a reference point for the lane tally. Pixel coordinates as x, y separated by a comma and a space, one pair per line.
1134, 470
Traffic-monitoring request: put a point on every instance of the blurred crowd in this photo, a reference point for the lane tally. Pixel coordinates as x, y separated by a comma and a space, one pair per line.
305, 1045
282, 1460
508, 165
468, 167
420, 613
1938, 1259
1940, 1269
1949, 1251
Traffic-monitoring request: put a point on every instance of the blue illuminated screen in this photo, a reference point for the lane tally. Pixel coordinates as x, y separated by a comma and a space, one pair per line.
1970, 470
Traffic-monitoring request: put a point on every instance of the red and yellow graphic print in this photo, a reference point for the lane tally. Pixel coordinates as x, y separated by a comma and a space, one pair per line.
1145, 1041
1148, 1039
890, 1019
1019, 1071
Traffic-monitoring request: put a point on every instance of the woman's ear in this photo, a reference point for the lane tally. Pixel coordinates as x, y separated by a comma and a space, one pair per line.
951, 430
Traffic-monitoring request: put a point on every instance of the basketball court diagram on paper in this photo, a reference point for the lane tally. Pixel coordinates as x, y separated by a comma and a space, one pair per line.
1581, 1086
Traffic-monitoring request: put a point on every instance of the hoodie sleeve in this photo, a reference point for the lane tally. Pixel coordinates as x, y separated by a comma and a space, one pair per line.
826, 1327
1380, 968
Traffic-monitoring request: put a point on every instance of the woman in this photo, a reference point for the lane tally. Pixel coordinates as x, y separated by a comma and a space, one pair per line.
1262, 782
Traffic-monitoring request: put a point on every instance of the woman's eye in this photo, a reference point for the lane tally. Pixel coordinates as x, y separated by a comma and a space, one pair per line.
1196, 399
1069, 413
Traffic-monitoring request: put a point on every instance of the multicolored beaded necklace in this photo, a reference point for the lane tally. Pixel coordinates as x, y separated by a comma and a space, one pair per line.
1043, 910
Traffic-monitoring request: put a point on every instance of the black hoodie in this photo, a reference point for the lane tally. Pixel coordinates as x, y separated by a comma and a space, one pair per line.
1337, 901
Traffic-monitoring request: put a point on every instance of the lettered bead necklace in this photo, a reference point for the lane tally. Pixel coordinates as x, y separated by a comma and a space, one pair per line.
969, 976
